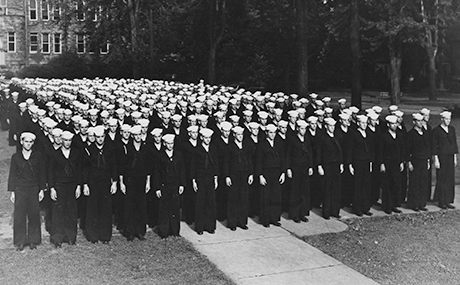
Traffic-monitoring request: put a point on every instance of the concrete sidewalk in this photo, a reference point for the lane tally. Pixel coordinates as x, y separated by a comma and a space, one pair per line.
276, 255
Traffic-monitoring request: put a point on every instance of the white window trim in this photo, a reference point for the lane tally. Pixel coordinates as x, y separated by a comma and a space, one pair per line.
8, 41
84, 44
36, 10
105, 52
60, 43
47, 10
77, 10
54, 9
30, 45
49, 43
4, 8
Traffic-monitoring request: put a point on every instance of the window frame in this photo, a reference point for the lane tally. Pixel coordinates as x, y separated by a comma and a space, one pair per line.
80, 43
46, 11
101, 51
30, 43
33, 9
47, 43
8, 42
4, 6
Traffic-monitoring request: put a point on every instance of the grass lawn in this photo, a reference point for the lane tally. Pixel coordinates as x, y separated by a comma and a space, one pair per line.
399, 249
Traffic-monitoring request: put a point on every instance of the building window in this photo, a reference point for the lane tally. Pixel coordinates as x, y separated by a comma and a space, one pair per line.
33, 9
79, 10
11, 42
80, 43
104, 48
56, 12
57, 43
45, 11
33, 42
45, 43
3, 7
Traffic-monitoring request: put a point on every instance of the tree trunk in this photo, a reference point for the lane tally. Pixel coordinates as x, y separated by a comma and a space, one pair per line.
395, 71
356, 79
302, 49
152, 65
133, 17
432, 76
216, 28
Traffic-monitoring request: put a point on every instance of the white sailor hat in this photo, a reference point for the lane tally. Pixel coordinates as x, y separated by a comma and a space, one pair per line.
373, 116
425, 111
446, 115
125, 127
330, 121
91, 131
417, 116
399, 113
391, 119
392, 108
342, 101
191, 117
168, 138
319, 112
192, 129
293, 113
270, 128
56, 132
238, 130
156, 132
176, 117
362, 118
326, 99
354, 109
282, 123
93, 112
135, 130
202, 117
66, 135
99, 130
136, 114
104, 114
377, 109
83, 123
112, 122
226, 126
28, 135
205, 132
301, 124
344, 116
328, 110
234, 118
254, 125
143, 122
262, 114
312, 119
247, 113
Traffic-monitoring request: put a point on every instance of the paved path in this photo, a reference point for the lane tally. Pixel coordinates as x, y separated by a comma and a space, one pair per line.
276, 255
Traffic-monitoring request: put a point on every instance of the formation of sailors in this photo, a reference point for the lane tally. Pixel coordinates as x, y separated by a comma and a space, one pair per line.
141, 153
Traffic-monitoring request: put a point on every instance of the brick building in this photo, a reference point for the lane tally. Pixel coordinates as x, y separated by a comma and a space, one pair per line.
31, 32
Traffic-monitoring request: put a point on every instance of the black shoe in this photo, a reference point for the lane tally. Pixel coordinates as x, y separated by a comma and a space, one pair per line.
450, 206
296, 220
444, 207
94, 241
277, 224
57, 245
396, 210
130, 238
388, 212
266, 225
20, 247
337, 216
359, 214
199, 233
141, 237
72, 242
32, 246
423, 209
415, 209
233, 228
212, 232
304, 219
105, 242
244, 227
368, 213
327, 218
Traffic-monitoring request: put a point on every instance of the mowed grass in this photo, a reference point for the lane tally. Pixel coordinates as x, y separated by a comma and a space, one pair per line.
154, 261
399, 249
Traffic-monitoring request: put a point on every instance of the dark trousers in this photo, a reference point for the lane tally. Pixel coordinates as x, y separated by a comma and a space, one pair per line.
404, 185
81, 211
118, 207
135, 213
205, 209
99, 211
64, 223
362, 186
316, 189
418, 179
286, 189
299, 199
169, 211
254, 198
391, 186
376, 183
347, 188
238, 200
188, 203
270, 197
152, 208
445, 180
47, 206
26, 226
221, 199
332, 189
